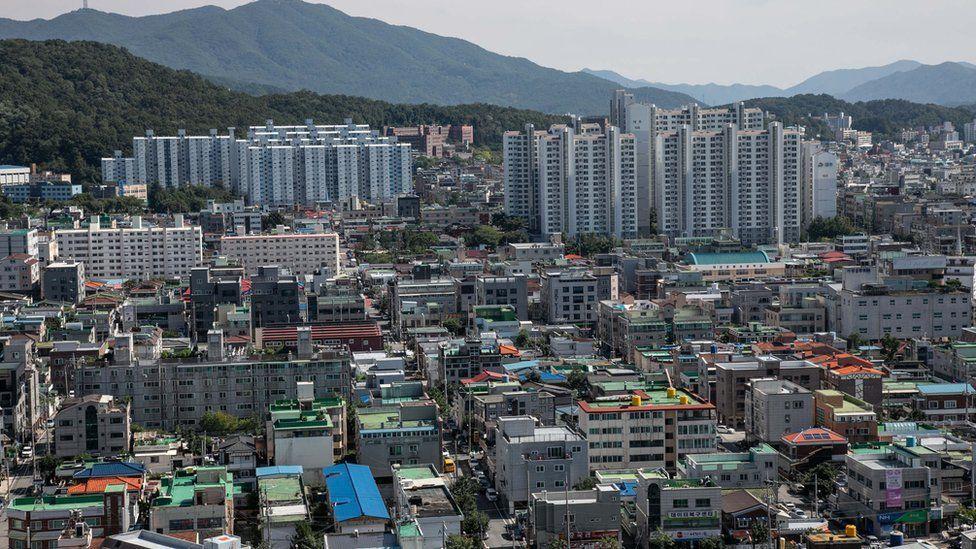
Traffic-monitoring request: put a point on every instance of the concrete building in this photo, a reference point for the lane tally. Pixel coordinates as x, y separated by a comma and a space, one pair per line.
63, 282
211, 287
571, 180
752, 469
529, 458
873, 311
408, 433
570, 297
20, 273
281, 494
532, 252
355, 499
593, 515
197, 500
504, 290
276, 298
14, 175
775, 407
422, 497
173, 392
845, 415
732, 376
308, 432
136, 252
656, 427
819, 182
685, 510
41, 520
39, 191
19, 241
96, 425
299, 253
274, 165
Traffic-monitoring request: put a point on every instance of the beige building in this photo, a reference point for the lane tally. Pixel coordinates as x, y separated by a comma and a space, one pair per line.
299, 253
97, 425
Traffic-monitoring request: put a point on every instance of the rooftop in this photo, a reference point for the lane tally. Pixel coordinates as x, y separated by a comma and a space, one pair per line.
178, 490
57, 503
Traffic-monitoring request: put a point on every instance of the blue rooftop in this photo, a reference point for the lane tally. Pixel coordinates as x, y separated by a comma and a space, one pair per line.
279, 470
112, 469
517, 366
946, 389
12, 167
353, 492
728, 258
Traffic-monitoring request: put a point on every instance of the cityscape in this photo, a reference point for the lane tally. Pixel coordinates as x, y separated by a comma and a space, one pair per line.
344, 283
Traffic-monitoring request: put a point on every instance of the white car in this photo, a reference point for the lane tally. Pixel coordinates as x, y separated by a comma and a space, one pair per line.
491, 494
800, 514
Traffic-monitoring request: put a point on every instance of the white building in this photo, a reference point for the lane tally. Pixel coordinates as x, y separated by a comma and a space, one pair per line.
819, 183
14, 175
572, 181
299, 253
136, 252
274, 165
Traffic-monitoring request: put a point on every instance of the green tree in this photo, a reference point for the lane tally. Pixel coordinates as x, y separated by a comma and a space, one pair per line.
714, 542
576, 380
557, 543
455, 541
218, 424
825, 475
608, 542
889, 347
522, 339
660, 540
272, 220
585, 483
966, 515
588, 245
454, 326
484, 235
829, 228
475, 522
306, 538
759, 532
854, 341
47, 465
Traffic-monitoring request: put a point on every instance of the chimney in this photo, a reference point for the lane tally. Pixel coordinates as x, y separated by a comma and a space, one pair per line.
123, 349
304, 342
215, 345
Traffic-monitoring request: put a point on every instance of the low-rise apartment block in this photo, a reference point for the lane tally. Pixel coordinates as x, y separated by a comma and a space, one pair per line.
195, 500
299, 253
97, 425
775, 407
845, 415
593, 515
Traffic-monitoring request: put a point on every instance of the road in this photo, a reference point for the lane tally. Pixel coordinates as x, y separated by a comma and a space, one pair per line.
20, 482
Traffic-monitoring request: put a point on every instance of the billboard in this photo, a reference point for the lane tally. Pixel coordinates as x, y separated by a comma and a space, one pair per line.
893, 486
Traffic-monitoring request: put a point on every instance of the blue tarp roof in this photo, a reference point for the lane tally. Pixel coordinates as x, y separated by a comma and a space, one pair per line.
516, 366
353, 492
627, 488
946, 389
550, 377
112, 469
290, 470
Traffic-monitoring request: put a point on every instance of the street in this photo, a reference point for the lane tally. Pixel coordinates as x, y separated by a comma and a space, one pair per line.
17, 486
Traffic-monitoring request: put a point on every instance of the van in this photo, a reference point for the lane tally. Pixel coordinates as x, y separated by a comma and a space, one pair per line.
449, 466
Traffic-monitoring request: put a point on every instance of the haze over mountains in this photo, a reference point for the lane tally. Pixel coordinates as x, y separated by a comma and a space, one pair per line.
292, 45
950, 83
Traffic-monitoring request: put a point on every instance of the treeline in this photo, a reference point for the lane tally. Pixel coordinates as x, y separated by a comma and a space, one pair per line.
883, 117
65, 105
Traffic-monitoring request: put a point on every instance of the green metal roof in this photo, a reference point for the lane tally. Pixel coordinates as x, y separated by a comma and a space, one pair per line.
728, 258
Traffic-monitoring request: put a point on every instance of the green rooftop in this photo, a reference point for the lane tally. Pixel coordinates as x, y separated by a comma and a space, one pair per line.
655, 397
289, 414
178, 490
281, 489
496, 313
416, 473
57, 503
735, 258
409, 530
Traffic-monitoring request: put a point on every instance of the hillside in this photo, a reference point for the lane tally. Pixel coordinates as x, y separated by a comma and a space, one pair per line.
945, 84
839, 81
883, 117
64, 105
294, 45
711, 94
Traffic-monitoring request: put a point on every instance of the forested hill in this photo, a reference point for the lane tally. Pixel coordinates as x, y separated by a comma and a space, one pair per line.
884, 117
294, 45
64, 105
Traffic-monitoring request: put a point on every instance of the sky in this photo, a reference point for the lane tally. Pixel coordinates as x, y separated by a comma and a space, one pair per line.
778, 42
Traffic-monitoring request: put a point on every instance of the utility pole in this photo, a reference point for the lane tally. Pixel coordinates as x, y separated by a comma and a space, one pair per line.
816, 497
566, 496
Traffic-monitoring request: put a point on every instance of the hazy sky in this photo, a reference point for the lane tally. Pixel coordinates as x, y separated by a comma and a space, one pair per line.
778, 42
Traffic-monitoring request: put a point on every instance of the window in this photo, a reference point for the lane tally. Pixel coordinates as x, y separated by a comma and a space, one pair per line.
680, 504
703, 502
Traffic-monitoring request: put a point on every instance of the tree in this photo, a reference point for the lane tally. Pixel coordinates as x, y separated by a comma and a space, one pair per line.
522, 339
475, 522
660, 540
576, 380
825, 476
854, 341
714, 542
454, 326
829, 228
306, 538
759, 532
889, 346
272, 220
557, 543
455, 541
608, 542
586, 483
47, 465
484, 235
588, 245
966, 515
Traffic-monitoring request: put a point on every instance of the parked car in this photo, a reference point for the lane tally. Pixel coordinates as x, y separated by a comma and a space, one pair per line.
491, 494
800, 514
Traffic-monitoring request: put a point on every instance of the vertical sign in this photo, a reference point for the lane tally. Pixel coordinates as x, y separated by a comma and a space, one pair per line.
893, 488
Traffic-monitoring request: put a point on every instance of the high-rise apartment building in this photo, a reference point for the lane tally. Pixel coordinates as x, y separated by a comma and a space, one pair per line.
273, 165
819, 182
571, 180
136, 251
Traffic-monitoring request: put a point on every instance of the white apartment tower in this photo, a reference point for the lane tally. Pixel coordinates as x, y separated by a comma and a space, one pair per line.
572, 181
274, 165
819, 182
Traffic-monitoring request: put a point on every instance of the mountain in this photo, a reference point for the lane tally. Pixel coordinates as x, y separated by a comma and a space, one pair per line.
64, 105
944, 84
837, 82
294, 45
710, 94
884, 117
